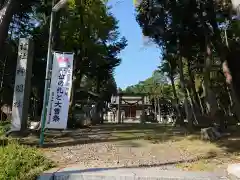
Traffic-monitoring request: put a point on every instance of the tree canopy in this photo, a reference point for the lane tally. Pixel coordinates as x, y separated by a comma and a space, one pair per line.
195, 37
86, 28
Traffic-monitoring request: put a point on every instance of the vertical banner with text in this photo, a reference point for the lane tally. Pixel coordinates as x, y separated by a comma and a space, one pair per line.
22, 85
60, 91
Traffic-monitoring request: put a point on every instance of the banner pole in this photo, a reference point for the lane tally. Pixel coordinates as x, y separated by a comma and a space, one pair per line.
47, 78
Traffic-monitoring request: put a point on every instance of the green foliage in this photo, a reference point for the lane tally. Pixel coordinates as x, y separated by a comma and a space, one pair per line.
21, 162
4, 127
89, 28
155, 86
195, 38
86, 28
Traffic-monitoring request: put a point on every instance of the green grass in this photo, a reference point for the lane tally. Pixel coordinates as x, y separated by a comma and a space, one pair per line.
20, 162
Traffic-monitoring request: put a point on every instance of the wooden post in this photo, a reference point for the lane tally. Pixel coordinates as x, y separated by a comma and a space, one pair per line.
119, 108
143, 110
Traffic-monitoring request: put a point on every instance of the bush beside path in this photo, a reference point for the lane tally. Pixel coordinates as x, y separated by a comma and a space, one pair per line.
20, 162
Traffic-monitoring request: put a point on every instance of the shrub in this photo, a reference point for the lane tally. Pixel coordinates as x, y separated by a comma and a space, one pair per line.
4, 127
20, 162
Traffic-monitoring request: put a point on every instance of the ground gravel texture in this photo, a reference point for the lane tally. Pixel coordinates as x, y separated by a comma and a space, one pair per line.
114, 146
122, 154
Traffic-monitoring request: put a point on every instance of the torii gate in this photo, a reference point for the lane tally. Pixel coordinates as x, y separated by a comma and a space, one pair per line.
129, 99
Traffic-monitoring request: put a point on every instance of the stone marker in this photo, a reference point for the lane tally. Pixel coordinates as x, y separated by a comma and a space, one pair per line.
210, 133
22, 86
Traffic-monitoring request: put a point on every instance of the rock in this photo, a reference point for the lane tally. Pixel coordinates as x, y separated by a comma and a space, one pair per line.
234, 171
87, 122
84, 122
217, 133
210, 134
34, 125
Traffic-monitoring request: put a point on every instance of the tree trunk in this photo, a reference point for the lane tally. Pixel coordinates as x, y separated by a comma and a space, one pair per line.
159, 109
236, 105
2, 79
208, 54
56, 35
193, 113
7, 9
209, 95
184, 90
155, 106
206, 71
98, 104
196, 100
179, 119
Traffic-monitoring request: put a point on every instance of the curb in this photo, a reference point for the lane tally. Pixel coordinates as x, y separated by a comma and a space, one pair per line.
75, 173
48, 175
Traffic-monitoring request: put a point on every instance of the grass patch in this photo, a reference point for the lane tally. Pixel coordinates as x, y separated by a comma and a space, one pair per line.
201, 165
198, 147
210, 155
150, 133
21, 162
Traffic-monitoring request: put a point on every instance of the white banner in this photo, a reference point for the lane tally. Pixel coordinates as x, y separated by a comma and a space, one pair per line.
60, 90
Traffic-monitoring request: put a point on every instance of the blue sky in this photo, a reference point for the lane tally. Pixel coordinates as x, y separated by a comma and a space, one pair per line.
138, 60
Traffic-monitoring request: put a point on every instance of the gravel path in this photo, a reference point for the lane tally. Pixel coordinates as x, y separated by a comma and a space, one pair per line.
105, 147
103, 152
117, 155
110, 155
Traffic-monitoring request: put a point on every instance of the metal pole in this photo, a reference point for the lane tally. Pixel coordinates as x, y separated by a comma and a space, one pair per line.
47, 78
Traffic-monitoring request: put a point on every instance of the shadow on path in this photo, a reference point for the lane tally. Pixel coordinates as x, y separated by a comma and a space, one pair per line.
105, 133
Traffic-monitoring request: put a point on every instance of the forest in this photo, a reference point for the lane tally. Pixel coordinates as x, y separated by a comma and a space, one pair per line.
199, 41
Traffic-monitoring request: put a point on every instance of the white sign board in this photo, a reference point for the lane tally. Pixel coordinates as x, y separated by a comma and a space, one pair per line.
60, 91
22, 84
